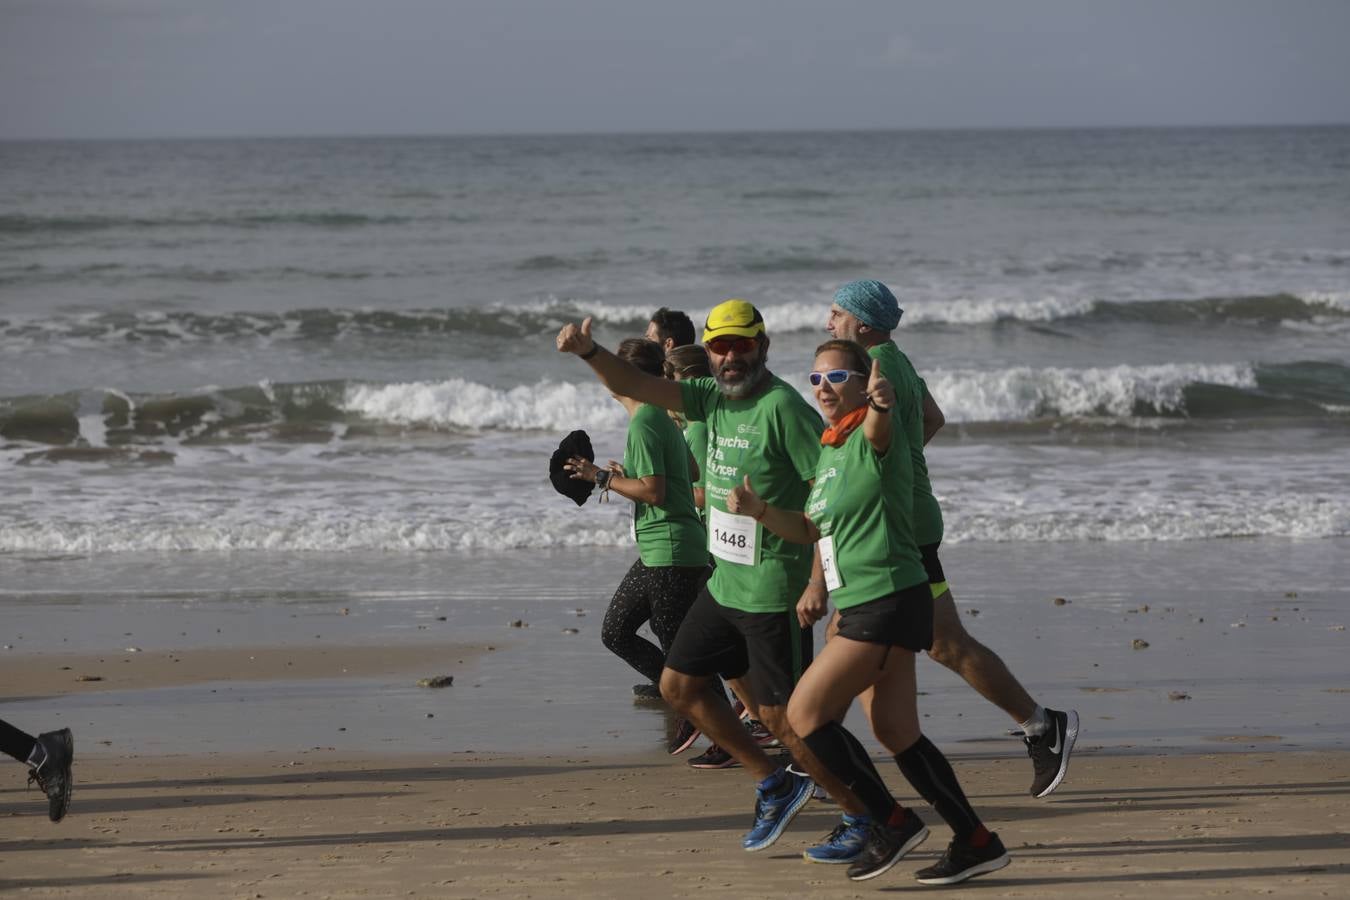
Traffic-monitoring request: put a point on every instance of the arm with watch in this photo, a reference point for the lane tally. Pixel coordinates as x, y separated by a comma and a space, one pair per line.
650, 489
620, 376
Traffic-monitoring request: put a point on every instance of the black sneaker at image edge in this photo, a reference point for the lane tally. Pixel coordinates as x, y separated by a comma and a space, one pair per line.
53, 774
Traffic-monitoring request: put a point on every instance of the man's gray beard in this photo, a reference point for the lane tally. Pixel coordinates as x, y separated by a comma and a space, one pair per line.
755, 375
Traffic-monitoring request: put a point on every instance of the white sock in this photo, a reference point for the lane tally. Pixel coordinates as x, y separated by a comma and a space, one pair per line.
37, 756
1037, 725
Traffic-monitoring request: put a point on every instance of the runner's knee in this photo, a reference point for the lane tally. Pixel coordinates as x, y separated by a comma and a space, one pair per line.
678, 689
613, 640
895, 734
800, 718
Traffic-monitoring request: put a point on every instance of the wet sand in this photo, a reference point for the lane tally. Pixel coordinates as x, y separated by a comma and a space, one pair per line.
137, 669
322, 824
1224, 645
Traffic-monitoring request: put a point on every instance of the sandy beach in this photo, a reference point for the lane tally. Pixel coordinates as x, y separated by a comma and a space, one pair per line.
249, 739
322, 824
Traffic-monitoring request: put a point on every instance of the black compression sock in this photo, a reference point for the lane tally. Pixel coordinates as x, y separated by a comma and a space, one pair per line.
841, 753
924, 766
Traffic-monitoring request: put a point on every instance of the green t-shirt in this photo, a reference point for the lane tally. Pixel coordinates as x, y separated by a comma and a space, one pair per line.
696, 436
670, 534
774, 437
909, 391
863, 503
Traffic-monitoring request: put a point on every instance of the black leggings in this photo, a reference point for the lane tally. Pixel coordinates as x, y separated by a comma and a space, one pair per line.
14, 742
659, 594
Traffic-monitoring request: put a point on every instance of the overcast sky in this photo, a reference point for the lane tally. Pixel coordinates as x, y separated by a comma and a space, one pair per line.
132, 68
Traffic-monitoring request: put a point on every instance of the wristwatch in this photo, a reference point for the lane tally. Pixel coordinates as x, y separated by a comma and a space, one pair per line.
602, 477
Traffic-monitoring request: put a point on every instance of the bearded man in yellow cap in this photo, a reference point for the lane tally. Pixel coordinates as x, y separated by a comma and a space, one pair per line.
744, 625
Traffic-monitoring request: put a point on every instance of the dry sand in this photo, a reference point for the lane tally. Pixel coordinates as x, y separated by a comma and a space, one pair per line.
318, 825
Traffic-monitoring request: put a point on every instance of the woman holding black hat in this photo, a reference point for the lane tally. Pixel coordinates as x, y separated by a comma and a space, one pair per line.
657, 475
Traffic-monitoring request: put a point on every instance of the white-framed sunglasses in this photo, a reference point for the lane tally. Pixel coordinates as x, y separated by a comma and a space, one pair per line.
834, 376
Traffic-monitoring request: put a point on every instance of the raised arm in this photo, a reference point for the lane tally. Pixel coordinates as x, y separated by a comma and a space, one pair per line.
616, 374
880, 401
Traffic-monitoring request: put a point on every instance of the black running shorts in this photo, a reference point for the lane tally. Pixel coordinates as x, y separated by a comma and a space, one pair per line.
768, 650
903, 619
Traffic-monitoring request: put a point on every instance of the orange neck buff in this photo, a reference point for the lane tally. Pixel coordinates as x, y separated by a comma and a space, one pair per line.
837, 433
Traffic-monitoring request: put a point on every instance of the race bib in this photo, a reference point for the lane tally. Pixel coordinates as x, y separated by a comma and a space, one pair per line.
733, 538
829, 564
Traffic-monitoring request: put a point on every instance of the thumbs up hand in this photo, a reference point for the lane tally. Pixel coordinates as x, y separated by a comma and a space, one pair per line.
744, 501
879, 391
576, 339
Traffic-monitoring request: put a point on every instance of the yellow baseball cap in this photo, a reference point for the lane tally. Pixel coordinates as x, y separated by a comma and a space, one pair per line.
733, 318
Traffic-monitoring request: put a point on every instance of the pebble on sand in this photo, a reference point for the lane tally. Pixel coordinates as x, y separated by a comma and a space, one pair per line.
1139, 644
436, 681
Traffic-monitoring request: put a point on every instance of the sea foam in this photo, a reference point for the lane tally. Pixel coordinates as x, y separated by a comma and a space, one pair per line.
461, 404
1022, 393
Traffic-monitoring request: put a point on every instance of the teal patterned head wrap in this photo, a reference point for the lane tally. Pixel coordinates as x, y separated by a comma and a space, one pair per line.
871, 302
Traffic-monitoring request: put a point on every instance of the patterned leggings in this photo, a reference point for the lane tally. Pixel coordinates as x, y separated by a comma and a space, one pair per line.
661, 595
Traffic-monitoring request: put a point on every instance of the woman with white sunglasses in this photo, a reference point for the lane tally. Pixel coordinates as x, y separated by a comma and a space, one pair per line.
860, 516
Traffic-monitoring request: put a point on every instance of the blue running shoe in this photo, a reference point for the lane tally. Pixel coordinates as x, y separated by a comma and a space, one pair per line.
843, 845
772, 814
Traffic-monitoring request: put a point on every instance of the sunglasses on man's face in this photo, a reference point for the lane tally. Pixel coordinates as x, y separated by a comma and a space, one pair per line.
833, 376
724, 345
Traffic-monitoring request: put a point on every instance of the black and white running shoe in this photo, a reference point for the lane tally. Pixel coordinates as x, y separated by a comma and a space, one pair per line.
1049, 752
962, 861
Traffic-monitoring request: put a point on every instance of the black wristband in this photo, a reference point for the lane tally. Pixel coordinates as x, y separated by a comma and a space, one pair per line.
595, 348
881, 409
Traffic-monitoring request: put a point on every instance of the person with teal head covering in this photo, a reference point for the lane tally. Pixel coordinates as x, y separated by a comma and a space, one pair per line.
866, 311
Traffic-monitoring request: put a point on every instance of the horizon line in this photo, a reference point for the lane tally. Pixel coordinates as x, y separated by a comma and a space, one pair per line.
1213, 126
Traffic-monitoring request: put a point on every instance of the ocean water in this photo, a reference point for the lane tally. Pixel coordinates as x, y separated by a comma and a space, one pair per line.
346, 345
